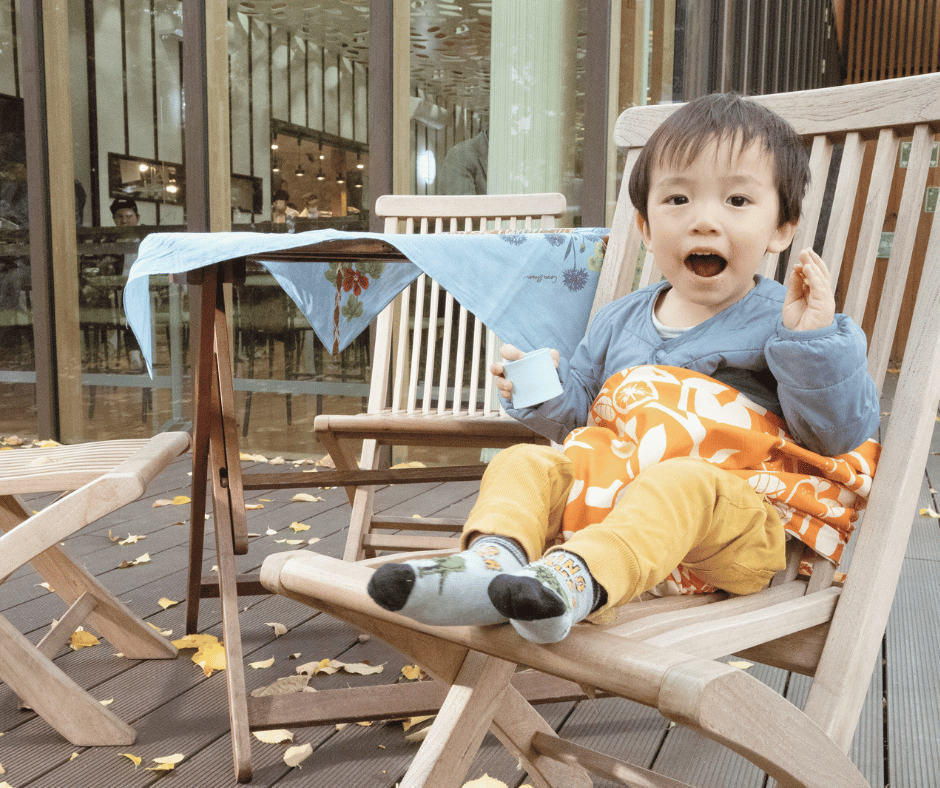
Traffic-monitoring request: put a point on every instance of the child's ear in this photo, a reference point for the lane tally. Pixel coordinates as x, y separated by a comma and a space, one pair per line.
782, 237
644, 231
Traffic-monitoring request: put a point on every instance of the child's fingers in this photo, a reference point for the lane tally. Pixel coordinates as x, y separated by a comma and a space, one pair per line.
510, 352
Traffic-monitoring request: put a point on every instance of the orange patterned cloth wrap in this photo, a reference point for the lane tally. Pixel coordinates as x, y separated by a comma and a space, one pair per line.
647, 414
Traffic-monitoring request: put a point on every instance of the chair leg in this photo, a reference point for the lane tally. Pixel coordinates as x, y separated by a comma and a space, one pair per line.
67, 707
122, 628
456, 735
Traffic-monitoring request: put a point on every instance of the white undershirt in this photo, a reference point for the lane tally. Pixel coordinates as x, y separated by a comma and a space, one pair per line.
668, 332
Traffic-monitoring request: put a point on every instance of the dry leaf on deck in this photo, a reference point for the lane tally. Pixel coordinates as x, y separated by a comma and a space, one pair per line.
286, 685
277, 461
252, 457
279, 736
161, 502
314, 540
167, 763
740, 664
46, 586
328, 666
363, 668
195, 641
132, 539
133, 758
83, 639
270, 532
210, 658
250, 506
144, 559
326, 462
929, 513
297, 755
307, 497
165, 603
412, 464
279, 629
412, 672
297, 527
107, 702
261, 664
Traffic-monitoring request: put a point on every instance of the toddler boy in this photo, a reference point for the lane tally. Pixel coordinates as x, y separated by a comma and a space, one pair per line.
717, 187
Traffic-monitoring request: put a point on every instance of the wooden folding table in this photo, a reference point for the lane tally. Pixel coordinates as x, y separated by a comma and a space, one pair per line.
217, 468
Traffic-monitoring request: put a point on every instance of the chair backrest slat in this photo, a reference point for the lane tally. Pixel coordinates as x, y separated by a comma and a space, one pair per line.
869, 234
428, 373
841, 211
902, 247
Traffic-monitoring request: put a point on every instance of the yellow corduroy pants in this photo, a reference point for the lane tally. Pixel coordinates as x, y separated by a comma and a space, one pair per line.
684, 511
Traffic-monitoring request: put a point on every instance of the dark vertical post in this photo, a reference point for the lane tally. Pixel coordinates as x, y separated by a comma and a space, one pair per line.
40, 229
381, 90
596, 103
195, 93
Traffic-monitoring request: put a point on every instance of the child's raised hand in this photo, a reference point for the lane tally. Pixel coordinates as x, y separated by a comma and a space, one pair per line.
809, 303
511, 353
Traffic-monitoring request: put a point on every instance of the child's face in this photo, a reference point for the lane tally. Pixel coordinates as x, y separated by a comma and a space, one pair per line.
711, 223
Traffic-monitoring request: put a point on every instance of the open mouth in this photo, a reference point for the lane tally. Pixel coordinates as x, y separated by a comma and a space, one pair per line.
706, 265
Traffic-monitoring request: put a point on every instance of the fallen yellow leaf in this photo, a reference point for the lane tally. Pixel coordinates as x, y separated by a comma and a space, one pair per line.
161, 502
132, 539
270, 532
165, 603
412, 672
210, 658
740, 664
307, 497
195, 641
298, 527
73, 756
251, 506
133, 758
314, 540
279, 736
297, 755
83, 639
171, 759
46, 586
261, 664
363, 668
277, 461
279, 629
107, 702
929, 513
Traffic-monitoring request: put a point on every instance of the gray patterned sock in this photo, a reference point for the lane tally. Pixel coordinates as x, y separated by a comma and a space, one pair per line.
450, 590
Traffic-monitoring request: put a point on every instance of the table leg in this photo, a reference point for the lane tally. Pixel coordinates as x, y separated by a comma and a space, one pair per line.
202, 304
225, 510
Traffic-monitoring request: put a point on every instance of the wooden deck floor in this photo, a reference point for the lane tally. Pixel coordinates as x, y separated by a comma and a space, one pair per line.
176, 709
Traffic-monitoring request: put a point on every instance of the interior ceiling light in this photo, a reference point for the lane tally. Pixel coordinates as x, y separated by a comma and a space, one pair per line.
339, 178
320, 175
300, 171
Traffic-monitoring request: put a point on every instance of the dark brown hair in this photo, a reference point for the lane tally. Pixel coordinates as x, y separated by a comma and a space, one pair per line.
725, 116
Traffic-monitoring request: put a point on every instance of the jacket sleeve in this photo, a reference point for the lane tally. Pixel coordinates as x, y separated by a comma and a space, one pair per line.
829, 400
581, 378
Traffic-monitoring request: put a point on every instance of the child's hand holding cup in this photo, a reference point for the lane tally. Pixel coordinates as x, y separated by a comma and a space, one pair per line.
527, 378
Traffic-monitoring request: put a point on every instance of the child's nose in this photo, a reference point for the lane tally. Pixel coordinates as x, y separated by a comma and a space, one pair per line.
704, 219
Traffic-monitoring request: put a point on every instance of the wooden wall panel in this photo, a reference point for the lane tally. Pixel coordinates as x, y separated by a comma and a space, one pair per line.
884, 39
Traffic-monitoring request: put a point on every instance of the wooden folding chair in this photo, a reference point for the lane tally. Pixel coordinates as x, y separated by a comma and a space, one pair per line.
421, 395
101, 478
666, 653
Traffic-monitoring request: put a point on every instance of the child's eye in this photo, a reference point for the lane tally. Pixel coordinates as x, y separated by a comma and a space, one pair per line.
738, 201
677, 199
